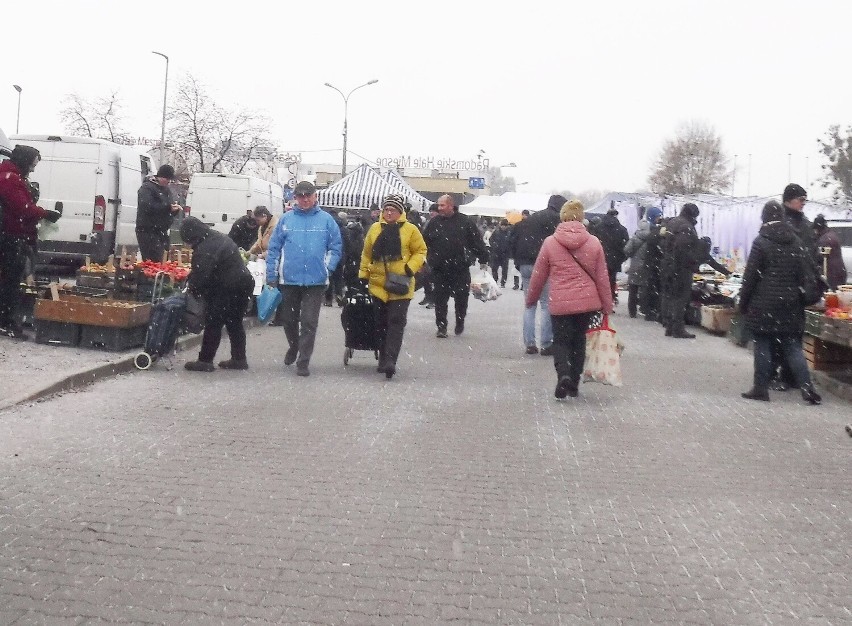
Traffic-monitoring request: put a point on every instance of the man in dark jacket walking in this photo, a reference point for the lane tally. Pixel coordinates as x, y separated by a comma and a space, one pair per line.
449, 236
681, 257
219, 276
528, 236
613, 237
649, 290
154, 214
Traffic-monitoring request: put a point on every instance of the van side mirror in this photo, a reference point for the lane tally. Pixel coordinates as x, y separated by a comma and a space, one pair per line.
59, 206
224, 217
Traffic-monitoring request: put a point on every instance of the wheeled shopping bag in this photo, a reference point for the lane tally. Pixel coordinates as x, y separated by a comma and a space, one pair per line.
359, 323
163, 330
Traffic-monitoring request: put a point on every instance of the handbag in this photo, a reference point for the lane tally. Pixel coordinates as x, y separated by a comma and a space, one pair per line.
195, 314
267, 302
811, 289
397, 284
603, 355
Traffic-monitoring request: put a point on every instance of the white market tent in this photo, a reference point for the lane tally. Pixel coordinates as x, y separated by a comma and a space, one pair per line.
732, 223
502, 205
363, 187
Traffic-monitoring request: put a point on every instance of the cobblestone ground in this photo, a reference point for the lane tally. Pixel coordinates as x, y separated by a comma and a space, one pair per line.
459, 491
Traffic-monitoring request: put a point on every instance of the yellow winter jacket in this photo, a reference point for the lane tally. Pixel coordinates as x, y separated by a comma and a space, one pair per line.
413, 256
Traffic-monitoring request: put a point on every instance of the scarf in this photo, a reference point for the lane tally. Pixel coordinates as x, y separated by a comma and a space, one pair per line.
388, 245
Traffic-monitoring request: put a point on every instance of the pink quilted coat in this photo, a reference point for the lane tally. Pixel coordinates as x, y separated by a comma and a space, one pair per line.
572, 290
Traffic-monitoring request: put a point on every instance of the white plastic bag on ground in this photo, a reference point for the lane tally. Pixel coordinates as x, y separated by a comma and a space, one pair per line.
258, 271
484, 287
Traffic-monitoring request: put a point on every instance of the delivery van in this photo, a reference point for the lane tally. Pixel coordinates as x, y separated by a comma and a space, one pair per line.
5, 146
95, 182
219, 199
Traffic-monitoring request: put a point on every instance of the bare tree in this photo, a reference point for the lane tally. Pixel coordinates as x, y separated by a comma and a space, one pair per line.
99, 118
500, 184
213, 138
837, 147
692, 162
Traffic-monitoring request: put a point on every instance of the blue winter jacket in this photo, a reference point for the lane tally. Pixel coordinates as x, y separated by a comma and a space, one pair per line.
311, 245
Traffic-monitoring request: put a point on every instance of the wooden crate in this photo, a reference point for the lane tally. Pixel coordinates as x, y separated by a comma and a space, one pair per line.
94, 312
823, 355
836, 331
716, 318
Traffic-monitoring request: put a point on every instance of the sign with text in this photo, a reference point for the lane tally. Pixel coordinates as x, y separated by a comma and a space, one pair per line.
433, 163
476, 183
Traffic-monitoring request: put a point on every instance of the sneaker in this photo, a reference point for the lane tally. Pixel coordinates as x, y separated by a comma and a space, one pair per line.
532, 350
234, 364
291, 355
810, 395
682, 335
199, 366
442, 333
515, 287
302, 370
459, 329
548, 351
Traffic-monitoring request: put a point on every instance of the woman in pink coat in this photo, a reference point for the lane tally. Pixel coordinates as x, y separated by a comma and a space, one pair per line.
574, 263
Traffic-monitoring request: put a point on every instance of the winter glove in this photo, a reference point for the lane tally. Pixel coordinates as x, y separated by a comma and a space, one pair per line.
53, 215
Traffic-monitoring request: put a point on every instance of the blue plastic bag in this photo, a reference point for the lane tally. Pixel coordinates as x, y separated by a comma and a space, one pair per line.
267, 302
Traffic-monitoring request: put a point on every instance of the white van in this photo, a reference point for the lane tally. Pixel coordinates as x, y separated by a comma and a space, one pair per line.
843, 230
5, 146
219, 199
95, 182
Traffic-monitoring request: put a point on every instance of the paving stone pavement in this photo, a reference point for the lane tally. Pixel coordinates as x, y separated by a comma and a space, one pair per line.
460, 491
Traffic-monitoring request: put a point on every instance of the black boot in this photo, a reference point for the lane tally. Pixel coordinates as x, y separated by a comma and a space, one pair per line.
810, 395
756, 394
516, 286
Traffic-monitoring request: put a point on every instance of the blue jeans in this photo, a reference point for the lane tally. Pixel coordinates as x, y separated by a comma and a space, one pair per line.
529, 313
791, 348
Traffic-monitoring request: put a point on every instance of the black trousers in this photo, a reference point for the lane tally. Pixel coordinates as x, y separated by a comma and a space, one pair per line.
391, 317
676, 298
14, 253
335, 284
633, 299
500, 262
152, 245
569, 344
444, 286
649, 301
226, 309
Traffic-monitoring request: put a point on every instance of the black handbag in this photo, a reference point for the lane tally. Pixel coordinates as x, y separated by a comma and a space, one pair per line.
194, 317
397, 284
811, 289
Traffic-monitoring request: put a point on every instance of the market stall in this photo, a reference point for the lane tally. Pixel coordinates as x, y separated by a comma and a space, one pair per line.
828, 334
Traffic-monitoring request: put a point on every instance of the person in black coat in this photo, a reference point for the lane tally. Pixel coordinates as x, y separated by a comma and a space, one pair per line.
613, 237
244, 230
682, 251
219, 276
154, 214
449, 237
771, 301
501, 250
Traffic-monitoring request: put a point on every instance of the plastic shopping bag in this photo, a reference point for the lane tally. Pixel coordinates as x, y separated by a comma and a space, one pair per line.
267, 302
603, 355
484, 287
258, 272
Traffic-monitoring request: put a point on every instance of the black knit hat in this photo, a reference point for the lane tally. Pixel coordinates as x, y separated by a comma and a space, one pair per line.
24, 157
689, 210
772, 212
793, 191
166, 171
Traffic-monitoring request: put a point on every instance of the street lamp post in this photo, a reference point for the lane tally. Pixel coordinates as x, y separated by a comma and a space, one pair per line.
165, 94
18, 121
346, 115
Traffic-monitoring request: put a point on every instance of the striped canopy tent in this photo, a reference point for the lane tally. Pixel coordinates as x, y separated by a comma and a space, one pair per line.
398, 182
361, 188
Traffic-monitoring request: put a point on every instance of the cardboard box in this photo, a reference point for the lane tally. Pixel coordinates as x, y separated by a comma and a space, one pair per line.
94, 312
716, 318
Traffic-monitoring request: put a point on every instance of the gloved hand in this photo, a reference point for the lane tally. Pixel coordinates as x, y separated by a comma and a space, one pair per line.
365, 282
272, 279
53, 215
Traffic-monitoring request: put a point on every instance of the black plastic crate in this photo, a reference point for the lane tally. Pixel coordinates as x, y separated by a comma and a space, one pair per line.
113, 339
57, 333
693, 314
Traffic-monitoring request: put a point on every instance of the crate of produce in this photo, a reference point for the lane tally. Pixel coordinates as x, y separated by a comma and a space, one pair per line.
716, 318
813, 322
825, 356
738, 333
94, 311
56, 333
112, 338
836, 331
100, 280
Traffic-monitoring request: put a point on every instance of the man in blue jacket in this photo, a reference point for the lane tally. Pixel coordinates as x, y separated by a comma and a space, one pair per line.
303, 251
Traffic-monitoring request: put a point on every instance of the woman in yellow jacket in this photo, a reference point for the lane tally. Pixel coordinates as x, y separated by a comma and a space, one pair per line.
391, 245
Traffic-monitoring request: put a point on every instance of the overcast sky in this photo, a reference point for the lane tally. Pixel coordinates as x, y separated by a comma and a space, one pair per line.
579, 94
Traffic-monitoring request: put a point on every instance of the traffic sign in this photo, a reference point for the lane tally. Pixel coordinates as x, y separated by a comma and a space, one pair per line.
476, 182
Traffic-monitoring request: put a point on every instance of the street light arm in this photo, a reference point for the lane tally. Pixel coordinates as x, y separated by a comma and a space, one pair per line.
336, 89
371, 82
